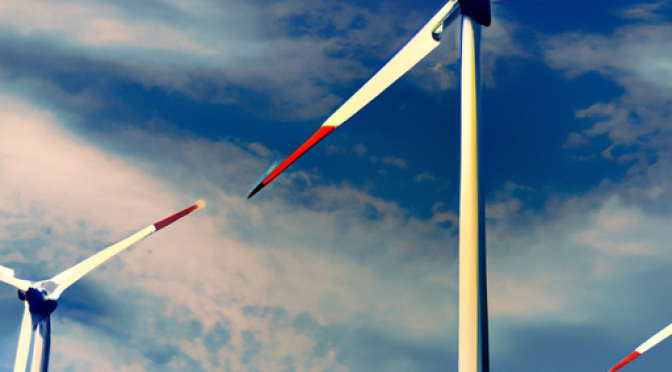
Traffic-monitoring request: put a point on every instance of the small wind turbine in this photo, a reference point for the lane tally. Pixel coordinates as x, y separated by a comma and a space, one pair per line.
40, 298
473, 354
651, 342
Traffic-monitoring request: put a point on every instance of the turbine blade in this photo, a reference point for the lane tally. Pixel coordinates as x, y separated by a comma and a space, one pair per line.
7, 276
25, 336
651, 342
46, 350
65, 279
42, 344
426, 40
38, 346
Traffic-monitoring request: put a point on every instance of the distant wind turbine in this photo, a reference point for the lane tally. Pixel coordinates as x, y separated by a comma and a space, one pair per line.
40, 298
653, 341
473, 354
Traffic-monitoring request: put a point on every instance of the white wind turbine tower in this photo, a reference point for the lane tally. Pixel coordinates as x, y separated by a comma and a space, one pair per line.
40, 298
473, 353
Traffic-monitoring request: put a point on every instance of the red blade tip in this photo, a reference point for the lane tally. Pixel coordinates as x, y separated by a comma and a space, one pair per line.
168, 220
625, 361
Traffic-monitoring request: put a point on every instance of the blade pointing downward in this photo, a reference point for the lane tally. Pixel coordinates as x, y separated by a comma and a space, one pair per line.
653, 341
41, 347
25, 337
46, 348
70, 276
426, 40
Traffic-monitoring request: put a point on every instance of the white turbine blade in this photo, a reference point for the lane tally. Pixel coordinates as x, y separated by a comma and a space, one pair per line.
651, 342
426, 40
38, 345
42, 344
23, 349
68, 277
7, 276
415, 50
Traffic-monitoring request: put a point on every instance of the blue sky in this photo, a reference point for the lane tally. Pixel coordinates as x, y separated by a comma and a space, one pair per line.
114, 114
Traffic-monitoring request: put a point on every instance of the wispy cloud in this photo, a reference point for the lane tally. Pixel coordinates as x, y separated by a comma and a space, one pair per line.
397, 162
440, 70
637, 58
647, 12
186, 289
228, 45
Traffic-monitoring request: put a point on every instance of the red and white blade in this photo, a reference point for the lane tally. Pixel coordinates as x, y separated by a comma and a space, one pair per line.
413, 52
274, 172
648, 344
68, 277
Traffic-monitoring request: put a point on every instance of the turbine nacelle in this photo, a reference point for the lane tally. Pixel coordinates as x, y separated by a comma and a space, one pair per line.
478, 10
39, 304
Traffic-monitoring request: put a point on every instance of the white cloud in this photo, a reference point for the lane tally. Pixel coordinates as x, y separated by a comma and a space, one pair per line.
440, 70
425, 176
646, 12
64, 199
397, 162
290, 51
637, 58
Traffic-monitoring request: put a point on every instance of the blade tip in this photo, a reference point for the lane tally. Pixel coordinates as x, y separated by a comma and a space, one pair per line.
200, 204
625, 361
256, 189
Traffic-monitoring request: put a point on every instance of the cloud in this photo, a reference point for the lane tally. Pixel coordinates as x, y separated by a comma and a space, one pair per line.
636, 57
210, 51
440, 69
580, 263
647, 12
425, 176
178, 300
399, 163
360, 150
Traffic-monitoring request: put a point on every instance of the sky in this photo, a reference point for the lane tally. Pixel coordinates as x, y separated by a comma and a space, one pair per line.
114, 114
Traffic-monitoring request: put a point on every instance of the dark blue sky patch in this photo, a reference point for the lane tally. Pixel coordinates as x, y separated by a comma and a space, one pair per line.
524, 133
549, 17
358, 23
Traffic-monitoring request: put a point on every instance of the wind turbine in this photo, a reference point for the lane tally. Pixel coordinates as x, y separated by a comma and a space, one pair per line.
648, 344
473, 353
41, 298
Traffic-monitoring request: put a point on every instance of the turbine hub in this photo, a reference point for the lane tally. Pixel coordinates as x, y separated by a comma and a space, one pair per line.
39, 306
